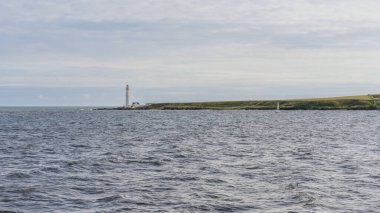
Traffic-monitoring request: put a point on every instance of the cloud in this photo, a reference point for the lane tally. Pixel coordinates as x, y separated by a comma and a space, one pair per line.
162, 44
276, 12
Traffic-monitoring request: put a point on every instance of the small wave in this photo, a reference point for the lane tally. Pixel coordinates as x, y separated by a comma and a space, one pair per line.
110, 198
292, 186
107, 153
114, 160
374, 176
253, 168
213, 196
348, 167
304, 198
153, 163
249, 175
196, 208
233, 208
24, 190
89, 190
149, 162
79, 178
235, 155
73, 163
51, 169
162, 189
18, 175
79, 146
123, 209
183, 179
179, 156
215, 180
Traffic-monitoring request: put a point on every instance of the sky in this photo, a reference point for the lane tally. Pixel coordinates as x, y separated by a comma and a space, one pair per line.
83, 52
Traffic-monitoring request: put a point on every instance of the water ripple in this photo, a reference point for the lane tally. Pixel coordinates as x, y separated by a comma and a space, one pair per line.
71, 160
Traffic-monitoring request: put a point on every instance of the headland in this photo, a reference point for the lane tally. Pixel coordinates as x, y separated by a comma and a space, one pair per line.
363, 102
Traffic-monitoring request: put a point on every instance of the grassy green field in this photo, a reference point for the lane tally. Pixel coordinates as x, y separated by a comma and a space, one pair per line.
359, 97
364, 102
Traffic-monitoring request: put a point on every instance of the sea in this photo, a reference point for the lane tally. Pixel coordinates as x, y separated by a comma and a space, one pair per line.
81, 160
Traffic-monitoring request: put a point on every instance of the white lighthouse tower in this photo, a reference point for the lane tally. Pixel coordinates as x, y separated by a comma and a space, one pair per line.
127, 96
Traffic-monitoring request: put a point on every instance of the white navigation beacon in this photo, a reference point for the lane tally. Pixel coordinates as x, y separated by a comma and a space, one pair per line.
127, 96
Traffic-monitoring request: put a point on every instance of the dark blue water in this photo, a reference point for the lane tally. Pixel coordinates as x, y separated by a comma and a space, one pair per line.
72, 160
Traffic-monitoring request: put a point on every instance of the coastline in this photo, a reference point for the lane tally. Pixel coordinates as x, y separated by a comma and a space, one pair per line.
365, 102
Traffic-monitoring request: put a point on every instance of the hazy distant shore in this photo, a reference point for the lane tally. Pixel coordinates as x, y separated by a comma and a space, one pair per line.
365, 102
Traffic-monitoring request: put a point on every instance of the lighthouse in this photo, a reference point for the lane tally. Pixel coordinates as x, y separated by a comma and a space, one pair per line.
127, 96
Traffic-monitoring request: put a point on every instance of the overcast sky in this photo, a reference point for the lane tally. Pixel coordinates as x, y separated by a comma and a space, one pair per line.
82, 52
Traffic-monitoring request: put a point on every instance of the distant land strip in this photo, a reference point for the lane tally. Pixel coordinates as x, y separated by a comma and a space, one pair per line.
364, 102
